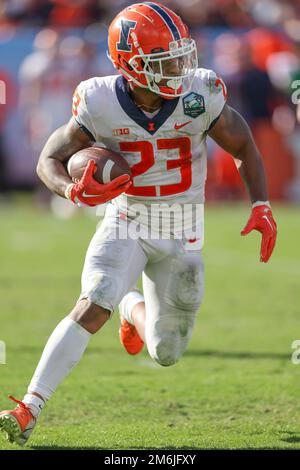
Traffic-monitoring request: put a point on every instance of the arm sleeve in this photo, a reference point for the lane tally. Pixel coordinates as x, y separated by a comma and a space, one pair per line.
81, 113
216, 99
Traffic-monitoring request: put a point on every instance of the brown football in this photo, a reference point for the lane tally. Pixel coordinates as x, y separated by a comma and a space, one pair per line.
110, 164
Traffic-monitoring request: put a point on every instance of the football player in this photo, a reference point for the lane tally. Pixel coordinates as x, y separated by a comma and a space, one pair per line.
156, 113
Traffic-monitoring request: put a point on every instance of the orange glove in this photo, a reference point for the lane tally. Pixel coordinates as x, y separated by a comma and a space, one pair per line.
261, 219
89, 192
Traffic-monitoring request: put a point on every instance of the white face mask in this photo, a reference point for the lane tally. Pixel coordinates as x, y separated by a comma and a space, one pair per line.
174, 69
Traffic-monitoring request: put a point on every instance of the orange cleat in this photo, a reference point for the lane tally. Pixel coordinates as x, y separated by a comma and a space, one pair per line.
18, 424
130, 338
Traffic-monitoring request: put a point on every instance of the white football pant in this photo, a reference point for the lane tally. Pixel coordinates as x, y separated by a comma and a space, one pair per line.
173, 281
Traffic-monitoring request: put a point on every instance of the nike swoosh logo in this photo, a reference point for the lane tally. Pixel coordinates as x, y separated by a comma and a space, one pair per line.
265, 217
90, 195
179, 126
193, 240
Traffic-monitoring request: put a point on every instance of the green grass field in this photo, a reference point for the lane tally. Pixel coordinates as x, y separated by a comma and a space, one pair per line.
235, 387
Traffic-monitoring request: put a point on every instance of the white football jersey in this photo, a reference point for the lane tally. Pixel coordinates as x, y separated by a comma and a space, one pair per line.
166, 153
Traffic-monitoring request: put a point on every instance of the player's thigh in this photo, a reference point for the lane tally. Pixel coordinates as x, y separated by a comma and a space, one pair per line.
173, 290
112, 266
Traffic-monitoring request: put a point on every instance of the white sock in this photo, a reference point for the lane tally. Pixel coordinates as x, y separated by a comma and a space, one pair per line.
128, 302
34, 403
62, 352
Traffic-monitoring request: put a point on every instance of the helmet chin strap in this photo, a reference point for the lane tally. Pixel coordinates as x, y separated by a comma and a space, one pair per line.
172, 85
170, 91
171, 88
175, 84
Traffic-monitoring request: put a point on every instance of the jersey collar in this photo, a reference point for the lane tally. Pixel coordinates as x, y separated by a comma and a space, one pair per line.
151, 125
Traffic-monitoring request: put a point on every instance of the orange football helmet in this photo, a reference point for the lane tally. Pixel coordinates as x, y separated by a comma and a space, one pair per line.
151, 46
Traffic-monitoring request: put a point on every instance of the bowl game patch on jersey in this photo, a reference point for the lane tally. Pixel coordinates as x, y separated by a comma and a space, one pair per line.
193, 105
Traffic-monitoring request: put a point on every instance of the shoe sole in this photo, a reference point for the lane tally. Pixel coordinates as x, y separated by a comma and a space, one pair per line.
10, 426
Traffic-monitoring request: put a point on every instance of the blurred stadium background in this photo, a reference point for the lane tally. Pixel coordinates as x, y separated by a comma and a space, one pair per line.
236, 385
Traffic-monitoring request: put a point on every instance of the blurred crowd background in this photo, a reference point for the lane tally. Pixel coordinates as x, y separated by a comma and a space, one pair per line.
48, 46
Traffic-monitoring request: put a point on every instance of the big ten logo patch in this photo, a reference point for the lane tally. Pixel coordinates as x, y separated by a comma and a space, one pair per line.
121, 131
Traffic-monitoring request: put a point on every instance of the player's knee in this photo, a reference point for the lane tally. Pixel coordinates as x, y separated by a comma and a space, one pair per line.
89, 315
167, 351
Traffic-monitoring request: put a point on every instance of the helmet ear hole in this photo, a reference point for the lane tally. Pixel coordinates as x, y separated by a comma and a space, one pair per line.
125, 64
